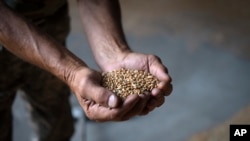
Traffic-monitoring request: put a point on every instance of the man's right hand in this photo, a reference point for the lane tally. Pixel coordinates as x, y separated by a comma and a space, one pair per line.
99, 103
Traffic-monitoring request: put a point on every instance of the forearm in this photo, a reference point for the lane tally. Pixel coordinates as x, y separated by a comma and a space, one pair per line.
25, 41
102, 23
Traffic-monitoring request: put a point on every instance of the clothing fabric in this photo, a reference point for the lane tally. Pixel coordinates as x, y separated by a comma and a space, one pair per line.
47, 97
35, 8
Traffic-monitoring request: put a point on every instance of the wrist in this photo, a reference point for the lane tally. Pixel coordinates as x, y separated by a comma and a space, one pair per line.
110, 54
67, 66
84, 77
77, 79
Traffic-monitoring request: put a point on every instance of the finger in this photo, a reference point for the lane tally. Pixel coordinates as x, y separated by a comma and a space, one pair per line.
153, 102
154, 58
129, 103
138, 108
156, 67
162, 89
156, 102
160, 72
168, 91
146, 110
102, 96
100, 113
151, 105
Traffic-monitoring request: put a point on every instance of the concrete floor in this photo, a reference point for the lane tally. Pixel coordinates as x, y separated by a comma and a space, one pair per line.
206, 47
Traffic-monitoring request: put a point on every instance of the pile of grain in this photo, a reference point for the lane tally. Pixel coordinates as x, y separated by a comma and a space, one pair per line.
125, 82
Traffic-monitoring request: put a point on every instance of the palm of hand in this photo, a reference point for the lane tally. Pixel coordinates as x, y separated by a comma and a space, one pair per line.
132, 61
93, 98
151, 64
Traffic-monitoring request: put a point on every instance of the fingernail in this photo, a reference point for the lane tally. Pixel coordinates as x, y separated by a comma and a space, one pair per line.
112, 101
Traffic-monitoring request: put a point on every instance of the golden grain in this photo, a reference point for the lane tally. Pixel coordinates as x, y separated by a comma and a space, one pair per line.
125, 82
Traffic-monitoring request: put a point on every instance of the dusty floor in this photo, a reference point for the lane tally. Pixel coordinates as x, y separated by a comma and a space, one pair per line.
205, 45
221, 132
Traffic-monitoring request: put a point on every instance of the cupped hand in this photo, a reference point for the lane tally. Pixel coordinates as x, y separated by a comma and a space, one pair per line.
100, 104
148, 63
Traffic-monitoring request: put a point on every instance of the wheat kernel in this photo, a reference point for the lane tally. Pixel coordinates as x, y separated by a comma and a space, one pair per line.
125, 82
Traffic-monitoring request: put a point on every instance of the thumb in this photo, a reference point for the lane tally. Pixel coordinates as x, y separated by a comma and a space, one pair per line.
103, 97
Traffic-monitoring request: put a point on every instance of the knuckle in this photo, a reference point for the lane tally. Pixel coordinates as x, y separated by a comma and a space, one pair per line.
161, 102
89, 115
154, 57
168, 79
116, 116
169, 90
100, 97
